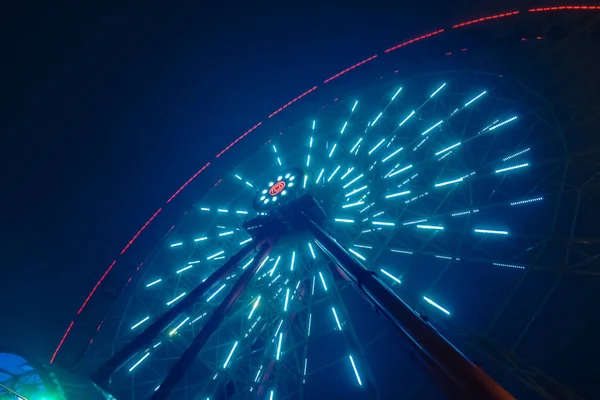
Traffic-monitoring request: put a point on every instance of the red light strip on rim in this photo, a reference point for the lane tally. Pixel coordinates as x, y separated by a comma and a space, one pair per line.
428, 35
482, 19
233, 143
292, 102
62, 341
350, 68
96, 287
140, 231
558, 8
188, 182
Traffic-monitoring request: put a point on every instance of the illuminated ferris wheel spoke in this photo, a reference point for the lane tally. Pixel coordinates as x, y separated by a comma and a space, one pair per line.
352, 181
437, 90
433, 303
516, 154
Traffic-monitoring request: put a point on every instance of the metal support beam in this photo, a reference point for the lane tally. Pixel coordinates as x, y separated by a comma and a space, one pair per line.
189, 356
102, 375
458, 376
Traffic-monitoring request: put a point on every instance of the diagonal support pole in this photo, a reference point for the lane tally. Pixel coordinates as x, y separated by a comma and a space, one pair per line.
102, 375
457, 375
189, 356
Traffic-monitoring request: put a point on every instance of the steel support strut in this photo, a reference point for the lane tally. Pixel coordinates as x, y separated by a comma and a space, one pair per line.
102, 375
457, 375
189, 356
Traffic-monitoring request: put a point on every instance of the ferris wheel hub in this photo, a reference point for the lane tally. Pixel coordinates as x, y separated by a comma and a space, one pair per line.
278, 191
290, 216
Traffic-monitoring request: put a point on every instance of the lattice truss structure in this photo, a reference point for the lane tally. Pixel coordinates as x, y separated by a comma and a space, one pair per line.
467, 184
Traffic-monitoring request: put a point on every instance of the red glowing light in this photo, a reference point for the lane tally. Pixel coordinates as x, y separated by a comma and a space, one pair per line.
350, 68
62, 341
96, 287
140, 231
557, 8
428, 35
277, 188
289, 103
188, 182
475, 21
234, 143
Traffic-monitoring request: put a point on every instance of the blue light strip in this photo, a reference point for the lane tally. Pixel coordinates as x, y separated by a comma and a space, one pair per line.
433, 303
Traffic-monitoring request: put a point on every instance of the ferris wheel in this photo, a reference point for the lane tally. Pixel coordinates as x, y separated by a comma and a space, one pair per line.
364, 224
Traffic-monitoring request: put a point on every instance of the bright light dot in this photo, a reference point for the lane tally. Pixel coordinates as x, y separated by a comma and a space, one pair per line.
356, 145
139, 323
381, 223
377, 118
279, 178
433, 227
320, 175
279, 346
254, 307
177, 244
175, 299
475, 98
266, 201
392, 155
312, 252
215, 255
433, 303
344, 127
389, 196
216, 293
360, 189
293, 260
274, 198
491, 231
337, 320
235, 345
355, 370
283, 192
183, 269
432, 128
390, 275
139, 362
357, 254
407, 118
437, 90
511, 168
264, 191
448, 182
332, 150
287, 298
376, 146
174, 331
323, 280
448, 148
154, 282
